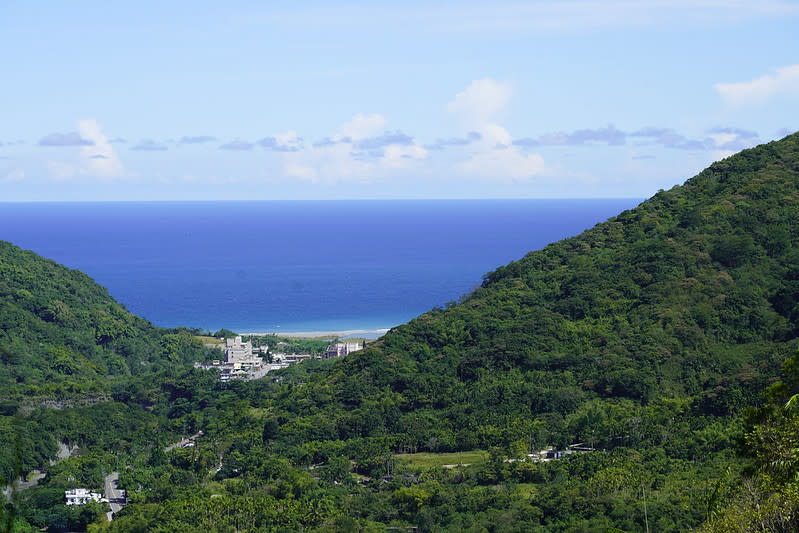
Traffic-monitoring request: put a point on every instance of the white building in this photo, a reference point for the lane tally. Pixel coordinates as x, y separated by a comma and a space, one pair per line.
81, 496
239, 355
341, 349
236, 350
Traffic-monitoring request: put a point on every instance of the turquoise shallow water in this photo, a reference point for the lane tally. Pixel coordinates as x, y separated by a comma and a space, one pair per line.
293, 266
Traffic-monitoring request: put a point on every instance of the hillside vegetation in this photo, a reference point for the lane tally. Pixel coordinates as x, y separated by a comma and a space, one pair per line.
693, 294
64, 342
650, 338
62, 335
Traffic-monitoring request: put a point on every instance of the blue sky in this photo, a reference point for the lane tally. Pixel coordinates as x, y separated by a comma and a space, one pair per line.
317, 100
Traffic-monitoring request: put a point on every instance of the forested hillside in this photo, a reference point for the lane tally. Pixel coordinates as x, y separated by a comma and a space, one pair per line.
62, 335
64, 342
691, 294
659, 339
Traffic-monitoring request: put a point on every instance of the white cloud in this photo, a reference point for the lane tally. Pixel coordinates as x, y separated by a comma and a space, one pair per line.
481, 102
493, 156
97, 160
493, 135
107, 165
503, 165
346, 159
361, 126
327, 164
784, 80
349, 157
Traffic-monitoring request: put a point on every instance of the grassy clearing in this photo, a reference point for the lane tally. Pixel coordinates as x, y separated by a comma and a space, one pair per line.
447, 460
209, 340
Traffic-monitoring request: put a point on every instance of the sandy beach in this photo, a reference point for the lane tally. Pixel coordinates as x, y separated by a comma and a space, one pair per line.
360, 333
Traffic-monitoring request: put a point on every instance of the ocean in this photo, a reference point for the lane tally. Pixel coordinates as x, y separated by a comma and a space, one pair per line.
293, 266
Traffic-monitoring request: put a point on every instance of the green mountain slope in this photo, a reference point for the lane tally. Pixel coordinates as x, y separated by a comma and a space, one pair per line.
65, 342
693, 293
62, 335
58, 327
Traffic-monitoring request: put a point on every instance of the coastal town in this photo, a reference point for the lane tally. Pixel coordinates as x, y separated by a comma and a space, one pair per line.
244, 361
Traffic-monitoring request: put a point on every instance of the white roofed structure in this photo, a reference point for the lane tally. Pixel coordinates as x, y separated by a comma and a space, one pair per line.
81, 496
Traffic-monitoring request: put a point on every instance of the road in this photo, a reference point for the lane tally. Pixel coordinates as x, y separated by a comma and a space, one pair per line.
115, 496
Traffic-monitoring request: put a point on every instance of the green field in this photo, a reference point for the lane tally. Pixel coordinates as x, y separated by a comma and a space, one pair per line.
447, 460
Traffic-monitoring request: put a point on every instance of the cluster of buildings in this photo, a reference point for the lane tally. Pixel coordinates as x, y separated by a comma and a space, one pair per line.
243, 361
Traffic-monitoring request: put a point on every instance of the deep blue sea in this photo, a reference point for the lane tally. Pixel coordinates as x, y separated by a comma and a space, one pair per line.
293, 265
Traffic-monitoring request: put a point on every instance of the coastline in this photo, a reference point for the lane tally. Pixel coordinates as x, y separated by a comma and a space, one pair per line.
359, 333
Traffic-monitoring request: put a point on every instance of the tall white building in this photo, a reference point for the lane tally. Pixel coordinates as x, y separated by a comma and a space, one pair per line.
237, 351
239, 356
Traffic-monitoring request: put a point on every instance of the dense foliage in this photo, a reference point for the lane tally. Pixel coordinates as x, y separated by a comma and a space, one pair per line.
62, 335
766, 497
648, 338
64, 342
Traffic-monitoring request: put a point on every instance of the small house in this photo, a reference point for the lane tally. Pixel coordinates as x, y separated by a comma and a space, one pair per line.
81, 496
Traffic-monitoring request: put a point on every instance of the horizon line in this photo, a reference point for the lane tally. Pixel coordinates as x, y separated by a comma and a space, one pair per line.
3, 202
